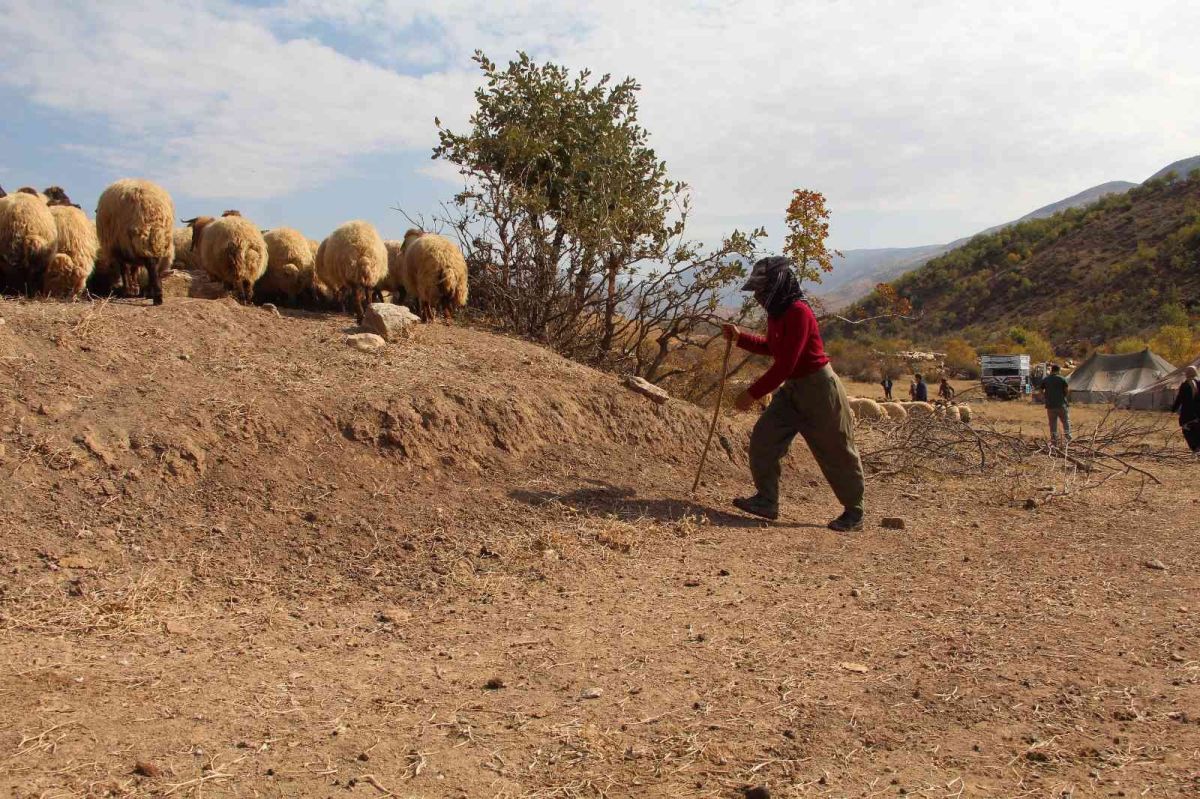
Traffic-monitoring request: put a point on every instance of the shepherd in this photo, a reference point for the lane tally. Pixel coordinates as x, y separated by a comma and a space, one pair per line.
810, 399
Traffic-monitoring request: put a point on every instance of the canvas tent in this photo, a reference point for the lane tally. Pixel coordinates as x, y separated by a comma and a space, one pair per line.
1106, 378
1159, 395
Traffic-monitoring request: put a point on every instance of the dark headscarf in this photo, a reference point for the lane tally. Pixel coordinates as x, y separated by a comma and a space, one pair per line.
774, 285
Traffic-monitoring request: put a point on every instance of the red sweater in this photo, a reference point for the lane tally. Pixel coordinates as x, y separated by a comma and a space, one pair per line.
794, 341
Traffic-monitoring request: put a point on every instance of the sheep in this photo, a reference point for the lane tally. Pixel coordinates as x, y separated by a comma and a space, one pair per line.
354, 260
232, 251
394, 282
289, 266
964, 414
135, 222
894, 410
30, 190
56, 196
185, 257
28, 242
78, 244
918, 409
434, 274
866, 410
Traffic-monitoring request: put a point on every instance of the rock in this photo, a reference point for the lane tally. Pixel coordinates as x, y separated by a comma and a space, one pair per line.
271, 308
77, 562
646, 389
1031, 504
365, 342
892, 523
145, 768
1156, 564
177, 283
176, 627
494, 684
757, 792
857, 668
591, 693
391, 322
393, 615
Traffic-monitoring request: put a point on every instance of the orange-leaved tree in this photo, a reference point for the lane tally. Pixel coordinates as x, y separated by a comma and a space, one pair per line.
808, 228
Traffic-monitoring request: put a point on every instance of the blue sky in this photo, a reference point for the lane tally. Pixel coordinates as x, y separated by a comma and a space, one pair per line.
921, 121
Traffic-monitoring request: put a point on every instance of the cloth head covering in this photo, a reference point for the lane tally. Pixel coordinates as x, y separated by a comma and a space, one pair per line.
774, 285
1190, 373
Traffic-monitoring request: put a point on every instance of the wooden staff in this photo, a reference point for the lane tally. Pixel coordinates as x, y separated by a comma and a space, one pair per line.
716, 413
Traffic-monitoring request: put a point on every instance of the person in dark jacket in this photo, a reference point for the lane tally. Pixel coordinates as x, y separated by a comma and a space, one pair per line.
945, 390
1056, 396
921, 390
887, 388
1187, 405
810, 399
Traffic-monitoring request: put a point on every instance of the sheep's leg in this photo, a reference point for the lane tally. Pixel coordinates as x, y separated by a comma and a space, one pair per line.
361, 295
156, 270
377, 295
129, 279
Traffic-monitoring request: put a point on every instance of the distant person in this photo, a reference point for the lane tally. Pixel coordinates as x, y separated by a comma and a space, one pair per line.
945, 390
810, 400
1187, 405
887, 388
1057, 401
921, 390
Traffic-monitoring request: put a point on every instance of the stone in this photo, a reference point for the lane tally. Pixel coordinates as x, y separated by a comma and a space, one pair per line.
1157, 565
176, 627
646, 389
365, 342
591, 693
857, 668
271, 308
145, 768
77, 562
892, 523
391, 322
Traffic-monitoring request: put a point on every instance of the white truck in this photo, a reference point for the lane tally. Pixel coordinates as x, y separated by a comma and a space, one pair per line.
1005, 376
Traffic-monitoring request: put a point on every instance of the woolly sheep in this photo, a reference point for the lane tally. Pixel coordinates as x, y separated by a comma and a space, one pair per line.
135, 222
964, 414
232, 251
185, 257
28, 242
56, 196
866, 409
78, 244
289, 266
435, 274
30, 190
353, 260
918, 409
394, 282
894, 410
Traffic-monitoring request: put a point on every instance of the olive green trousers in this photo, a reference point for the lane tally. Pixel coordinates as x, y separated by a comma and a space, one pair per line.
814, 406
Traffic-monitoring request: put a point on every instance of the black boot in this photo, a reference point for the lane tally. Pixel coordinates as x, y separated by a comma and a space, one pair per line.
851, 521
757, 506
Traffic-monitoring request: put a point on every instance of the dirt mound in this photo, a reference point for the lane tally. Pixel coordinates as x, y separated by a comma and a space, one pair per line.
204, 408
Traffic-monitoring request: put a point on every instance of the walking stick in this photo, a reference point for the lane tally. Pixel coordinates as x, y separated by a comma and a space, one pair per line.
712, 428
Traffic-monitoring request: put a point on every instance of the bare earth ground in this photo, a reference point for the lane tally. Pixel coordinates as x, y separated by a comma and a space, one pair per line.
238, 558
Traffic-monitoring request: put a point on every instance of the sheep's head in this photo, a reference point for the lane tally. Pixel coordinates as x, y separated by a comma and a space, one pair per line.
56, 196
232, 213
411, 235
32, 191
198, 224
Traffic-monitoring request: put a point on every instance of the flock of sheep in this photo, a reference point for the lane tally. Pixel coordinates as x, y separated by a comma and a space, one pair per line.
869, 410
49, 246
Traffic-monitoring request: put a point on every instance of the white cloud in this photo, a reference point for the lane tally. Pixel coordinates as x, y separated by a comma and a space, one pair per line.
890, 108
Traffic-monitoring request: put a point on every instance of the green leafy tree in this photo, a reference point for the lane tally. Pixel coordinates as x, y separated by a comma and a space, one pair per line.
573, 229
1123, 346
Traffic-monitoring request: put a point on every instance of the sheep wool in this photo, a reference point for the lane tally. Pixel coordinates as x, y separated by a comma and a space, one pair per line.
918, 409
394, 282
964, 414
135, 221
866, 409
289, 266
78, 245
894, 410
354, 258
28, 242
232, 251
435, 273
186, 258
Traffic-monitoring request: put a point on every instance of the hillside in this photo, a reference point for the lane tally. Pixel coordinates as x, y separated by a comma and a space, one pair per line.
240, 558
860, 270
1083, 275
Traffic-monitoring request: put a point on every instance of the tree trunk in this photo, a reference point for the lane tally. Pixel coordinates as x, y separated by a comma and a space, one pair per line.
610, 306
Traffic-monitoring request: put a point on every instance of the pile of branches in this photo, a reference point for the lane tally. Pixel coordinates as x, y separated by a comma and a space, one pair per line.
943, 445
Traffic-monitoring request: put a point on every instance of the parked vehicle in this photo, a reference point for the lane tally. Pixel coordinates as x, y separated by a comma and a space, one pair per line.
1005, 376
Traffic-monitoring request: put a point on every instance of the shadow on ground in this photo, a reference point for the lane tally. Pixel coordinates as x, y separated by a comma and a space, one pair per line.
625, 504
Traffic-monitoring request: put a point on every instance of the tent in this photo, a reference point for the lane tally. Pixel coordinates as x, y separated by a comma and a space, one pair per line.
1106, 378
1159, 395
